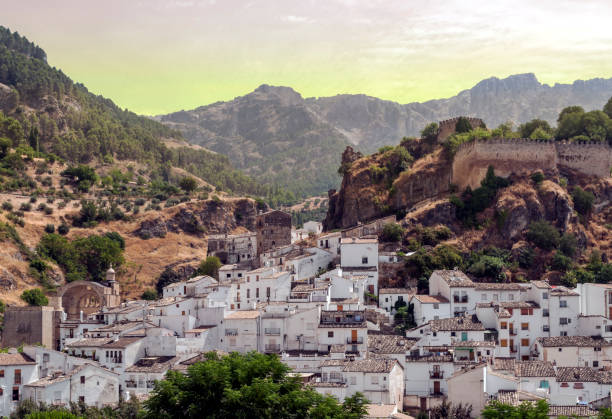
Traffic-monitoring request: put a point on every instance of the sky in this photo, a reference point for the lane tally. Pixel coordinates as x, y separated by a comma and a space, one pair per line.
160, 56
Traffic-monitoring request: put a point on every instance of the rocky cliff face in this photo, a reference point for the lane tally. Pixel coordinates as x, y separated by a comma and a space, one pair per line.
277, 136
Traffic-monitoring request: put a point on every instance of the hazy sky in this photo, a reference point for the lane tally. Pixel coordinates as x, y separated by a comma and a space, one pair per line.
157, 56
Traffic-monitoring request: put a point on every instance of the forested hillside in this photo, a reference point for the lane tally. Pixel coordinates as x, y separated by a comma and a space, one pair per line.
49, 112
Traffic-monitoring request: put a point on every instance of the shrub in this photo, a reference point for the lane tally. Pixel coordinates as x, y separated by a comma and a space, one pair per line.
526, 257
568, 245
50, 228
543, 235
210, 266
34, 297
26, 206
560, 262
42, 206
463, 125
140, 202
171, 202
583, 200
149, 294
7, 206
33, 199
537, 177
63, 229
392, 232
188, 184
430, 131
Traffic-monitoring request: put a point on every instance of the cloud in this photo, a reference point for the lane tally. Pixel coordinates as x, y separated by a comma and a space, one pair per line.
296, 19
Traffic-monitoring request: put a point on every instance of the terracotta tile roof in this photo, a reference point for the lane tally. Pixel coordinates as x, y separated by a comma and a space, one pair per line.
541, 284
8, 359
508, 397
585, 341
455, 278
430, 299
395, 291
246, 314
474, 343
577, 374
563, 292
121, 342
89, 343
534, 369
505, 286
462, 323
571, 411
503, 363
371, 365
430, 358
355, 240
157, 364
380, 410
390, 344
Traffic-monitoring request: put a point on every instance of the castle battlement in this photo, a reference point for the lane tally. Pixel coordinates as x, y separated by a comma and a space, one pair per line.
525, 155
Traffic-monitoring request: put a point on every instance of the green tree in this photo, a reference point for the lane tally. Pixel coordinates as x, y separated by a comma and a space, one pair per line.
392, 232
463, 125
583, 200
430, 131
608, 108
528, 128
497, 410
448, 410
243, 386
34, 297
188, 184
568, 245
5, 145
210, 266
543, 235
149, 294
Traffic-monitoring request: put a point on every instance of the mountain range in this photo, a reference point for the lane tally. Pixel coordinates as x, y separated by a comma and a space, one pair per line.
279, 137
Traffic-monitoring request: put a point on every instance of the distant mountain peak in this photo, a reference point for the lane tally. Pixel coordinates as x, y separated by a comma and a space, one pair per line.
285, 94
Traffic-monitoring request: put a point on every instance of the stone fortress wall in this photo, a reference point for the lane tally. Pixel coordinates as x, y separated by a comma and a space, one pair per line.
524, 156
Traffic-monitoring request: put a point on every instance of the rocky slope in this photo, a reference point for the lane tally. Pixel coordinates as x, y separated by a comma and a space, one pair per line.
269, 132
170, 238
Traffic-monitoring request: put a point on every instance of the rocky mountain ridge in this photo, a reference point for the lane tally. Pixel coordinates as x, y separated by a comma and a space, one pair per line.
268, 132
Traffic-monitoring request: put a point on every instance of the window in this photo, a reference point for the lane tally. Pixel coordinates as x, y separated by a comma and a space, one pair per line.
374, 379
330, 334
545, 328
511, 297
257, 277
544, 296
15, 394
17, 377
563, 320
562, 303
578, 385
364, 260
524, 342
503, 325
504, 343
595, 364
545, 312
495, 297
464, 336
268, 292
82, 399
560, 349
248, 293
1, 373
82, 379
256, 292
436, 306
544, 384
562, 333
524, 326
353, 380
1, 392
386, 299
453, 333
564, 385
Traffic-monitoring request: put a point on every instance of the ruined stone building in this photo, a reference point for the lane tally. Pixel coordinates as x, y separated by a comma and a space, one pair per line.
233, 248
273, 230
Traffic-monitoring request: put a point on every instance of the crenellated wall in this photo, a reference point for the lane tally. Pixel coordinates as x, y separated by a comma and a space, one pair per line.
524, 156
447, 127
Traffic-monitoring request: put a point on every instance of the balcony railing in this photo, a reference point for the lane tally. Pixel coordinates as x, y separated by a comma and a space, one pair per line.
436, 374
272, 331
318, 298
434, 393
512, 332
460, 299
231, 332
272, 347
130, 384
356, 340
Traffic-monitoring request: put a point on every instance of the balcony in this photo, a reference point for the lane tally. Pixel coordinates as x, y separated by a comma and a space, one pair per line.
436, 374
130, 384
231, 332
512, 332
272, 331
434, 393
460, 299
513, 349
272, 347
357, 340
